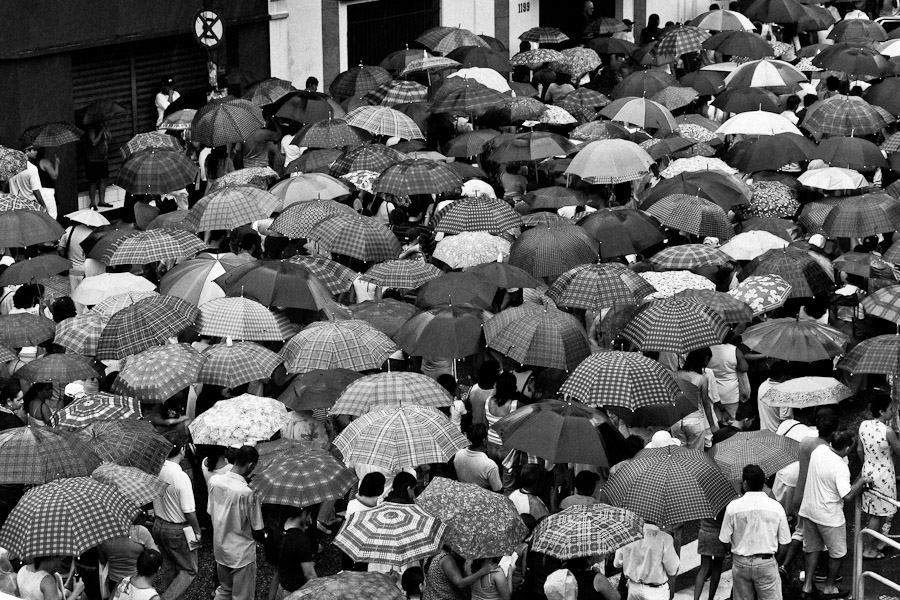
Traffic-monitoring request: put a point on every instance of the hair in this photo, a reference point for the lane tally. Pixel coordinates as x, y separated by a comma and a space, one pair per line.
250, 240
412, 580
826, 422
833, 84
529, 521
530, 475
176, 450
245, 456
779, 370
312, 82
843, 439
403, 482
879, 404
148, 562
372, 484
487, 374
816, 306
448, 382
293, 512
63, 308
506, 388
9, 389
792, 102
696, 360
653, 20
27, 296
810, 99
754, 477
477, 433
586, 483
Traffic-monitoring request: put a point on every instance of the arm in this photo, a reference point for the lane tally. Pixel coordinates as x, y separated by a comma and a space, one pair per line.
605, 588
494, 479
191, 519
51, 167
857, 488
309, 570
451, 571
742, 366
893, 441
502, 582
39, 197
861, 452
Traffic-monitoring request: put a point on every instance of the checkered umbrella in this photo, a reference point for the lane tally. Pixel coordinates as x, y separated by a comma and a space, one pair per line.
351, 344
333, 133
443, 331
689, 256
693, 214
144, 247
593, 287
151, 139
447, 39
625, 379
12, 162
418, 176
147, 323
675, 325
863, 216
404, 274
728, 307
479, 523
232, 364
66, 518
139, 487
232, 207
237, 421
298, 219
359, 237
371, 157
7, 354
472, 99
80, 334
695, 487
52, 134
585, 530
391, 533
844, 116
382, 120
243, 319
771, 452
469, 249
313, 161
544, 35
399, 437
112, 304
24, 329
390, 389
318, 388
58, 368
97, 407
11, 202
795, 340
268, 91
20, 228
226, 122
156, 171
387, 316
875, 355
805, 276
358, 81
504, 275
762, 293
36, 455
884, 304
130, 443
397, 91
348, 585
336, 278
470, 143
477, 214
682, 40
584, 104
537, 335
551, 251
276, 283
303, 479
155, 375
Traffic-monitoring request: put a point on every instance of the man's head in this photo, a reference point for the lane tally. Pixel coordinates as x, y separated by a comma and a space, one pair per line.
30, 151
245, 460
826, 422
412, 581
753, 478
588, 8
477, 433
11, 394
792, 103
149, 562
250, 242
167, 84
586, 483
843, 442
312, 84
176, 453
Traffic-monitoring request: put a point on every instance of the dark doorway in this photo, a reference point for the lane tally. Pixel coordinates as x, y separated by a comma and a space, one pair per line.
375, 29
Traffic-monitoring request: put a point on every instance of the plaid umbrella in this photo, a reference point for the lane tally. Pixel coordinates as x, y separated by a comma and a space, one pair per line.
863, 216
97, 407
21, 228
771, 452
689, 256
276, 283
331, 133
155, 375
693, 214
397, 92
352, 344
58, 368
682, 40
399, 437
805, 276
728, 307
237, 421
10, 202
129, 443
139, 487
359, 237
390, 389
268, 91
794, 340
417, 176
472, 99
387, 316
303, 479
479, 523
404, 274
318, 388
179, 120
48, 135
33, 269
349, 585
477, 214
36, 455
875, 355
544, 35
336, 278
585, 530
593, 287
231, 207
625, 379
99, 111
391, 533
144, 247
675, 325
610, 161
243, 319
584, 104
762, 293
844, 116
447, 39
226, 122
156, 171
66, 518
297, 220
538, 335
120, 301
371, 157
530, 147
24, 329
145, 324
806, 392
382, 120
398, 60
313, 161
504, 275
864, 264
7, 354
358, 81
151, 139
551, 251
470, 143
443, 331
232, 364
260, 177
468, 249
883, 304
12, 162
695, 487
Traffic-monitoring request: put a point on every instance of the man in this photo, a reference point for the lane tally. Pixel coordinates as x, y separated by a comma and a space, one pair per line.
771, 417
312, 84
237, 525
164, 97
648, 564
473, 465
175, 511
827, 488
585, 486
27, 183
791, 106
526, 499
297, 550
756, 528
11, 413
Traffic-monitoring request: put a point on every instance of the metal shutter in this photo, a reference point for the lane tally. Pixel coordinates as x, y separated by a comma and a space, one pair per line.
375, 29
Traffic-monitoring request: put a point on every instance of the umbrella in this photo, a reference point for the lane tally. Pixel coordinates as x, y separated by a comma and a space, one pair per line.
674, 98
468, 249
542, 336
883, 304
387, 316
470, 143
804, 392
707, 83
88, 217
584, 104
48, 135
457, 288
268, 91
398, 92
74, 515
145, 324
310, 107
303, 479
429, 65
853, 60
688, 256
794, 340
543, 35
94, 290
723, 20
626, 379
622, 231
762, 293
604, 26
317, 389
220, 123
482, 75
858, 30
851, 153
476, 56
11, 202
477, 214
156, 374
874, 355
885, 95
530, 147
142, 247
193, 279
180, 120
139, 487
23, 329
260, 177
504, 275
58, 368
763, 448
390, 389
238, 421
417, 176
695, 488
641, 84
535, 57
33, 269
129, 443
693, 214
331, 133
641, 112
443, 331
231, 207
298, 219
20, 228
675, 325
358, 81
681, 40
833, 178
581, 531
738, 100
309, 186
382, 120
610, 161
865, 264
551, 251
313, 161
757, 122
447, 39
725, 190
512, 111
97, 407
36, 455
806, 277
351, 344
12, 162
611, 45
577, 61
336, 278
275, 283
729, 308
770, 153
669, 283
399, 437
777, 76
146, 141
697, 163
479, 523
349, 585
359, 237
555, 197
593, 287
370, 157
844, 115
243, 319
232, 364
863, 216
391, 533
472, 98
156, 171
404, 274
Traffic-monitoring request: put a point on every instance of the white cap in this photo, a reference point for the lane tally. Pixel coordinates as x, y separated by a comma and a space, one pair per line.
476, 187
817, 240
561, 585
662, 439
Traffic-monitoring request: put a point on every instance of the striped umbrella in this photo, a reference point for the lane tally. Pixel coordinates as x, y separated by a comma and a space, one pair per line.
359, 237
693, 214
795, 340
58, 368
418, 176
157, 374
357, 81
97, 407
243, 319
298, 219
443, 331
641, 112
234, 422
390, 389
397, 91
593, 287
129, 443
580, 531
24, 329
395, 438
723, 20
80, 334
477, 214
382, 120
336, 278
226, 122
36, 455
350, 344
156, 171
624, 379
139, 487
728, 307
805, 276
689, 256
675, 325
536, 335
144, 247
551, 251
232, 207
682, 40
391, 533
404, 274
150, 139
145, 324
303, 479
333, 133
879, 354
234, 363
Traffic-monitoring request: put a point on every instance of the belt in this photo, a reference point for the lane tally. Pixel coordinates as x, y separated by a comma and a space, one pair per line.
762, 556
653, 585
182, 523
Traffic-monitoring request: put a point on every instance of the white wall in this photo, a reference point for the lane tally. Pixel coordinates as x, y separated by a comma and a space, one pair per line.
523, 15
295, 41
475, 15
678, 11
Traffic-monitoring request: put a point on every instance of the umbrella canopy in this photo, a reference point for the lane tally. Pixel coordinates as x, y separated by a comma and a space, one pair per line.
33, 269
858, 30
863, 216
626, 379
139, 487
97, 407
238, 421
688, 256
851, 153
404, 274
763, 448
152, 139
11, 202
577, 61
845, 116
738, 100
23, 329
723, 20
145, 324
833, 179
20, 228
12, 162
443, 331
681, 40
551, 251
777, 76
130, 443
535, 57
232, 364
479, 523
429, 65
794, 340
280, 283
729, 308
543, 35
308, 186
610, 161
883, 304
693, 214
804, 392
581, 531
303, 479
597, 286
193, 280
331, 133
707, 83
806, 277
36, 455
94, 290
555, 197
391, 533
298, 219
669, 283
457, 288
538, 335
58, 368
725, 190
418, 176
762, 293
370, 157
514, 110
388, 389
476, 56
770, 153
640, 84
231, 207
584, 104
472, 99
469, 249
142, 247
470, 143
485, 76
48, 135
641, 112
268, 91
447, 39
386, 315
310, 107
622, 231
757, 122
885, 95
477, 214
399, 437
351, 344
875, 355
226, 122
358, 81
530, 147
675, 325
313, 161
156, 374
359, 237
348, 585
853, 60
382, 120
318, 388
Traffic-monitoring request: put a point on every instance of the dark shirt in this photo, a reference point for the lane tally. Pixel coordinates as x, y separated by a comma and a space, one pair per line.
296, 548
9, 421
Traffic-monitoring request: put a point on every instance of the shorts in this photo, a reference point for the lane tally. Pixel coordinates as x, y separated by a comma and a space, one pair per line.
798, 530
821, 537
708, 544
95, 171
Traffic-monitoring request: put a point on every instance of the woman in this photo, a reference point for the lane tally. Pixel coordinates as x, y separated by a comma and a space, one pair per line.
140, 586
493, 585
96, 168
712, 556
37, 404
483, 389
122, 554
444, 578
694, 429
42, 581
403, 489
502, 402
730, 367
878, 446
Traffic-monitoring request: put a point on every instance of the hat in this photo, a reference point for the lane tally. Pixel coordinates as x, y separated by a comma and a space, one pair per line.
561, 585
628, 22
711, 241
817, 240
476, 187
662, 439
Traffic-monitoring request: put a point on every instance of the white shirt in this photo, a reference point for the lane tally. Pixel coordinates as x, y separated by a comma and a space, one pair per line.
796, 430
162, 103
178, 499
827, 482
771, 417
754, 524
25, 182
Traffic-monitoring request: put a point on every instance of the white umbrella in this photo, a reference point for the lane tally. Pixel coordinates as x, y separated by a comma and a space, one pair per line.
764, 73
86, 216
750, 244
804, 392
833, 178
890, 48
94, 290
757, 122
485, 76
723, 67
723, 20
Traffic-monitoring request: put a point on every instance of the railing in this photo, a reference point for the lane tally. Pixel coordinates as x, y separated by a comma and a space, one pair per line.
860, 576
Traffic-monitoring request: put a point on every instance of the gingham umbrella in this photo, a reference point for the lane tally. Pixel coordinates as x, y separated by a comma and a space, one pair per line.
610, 161
689, 256
844, 116
144, 247
729, 308
11, 202
276, 283
404, 274
12, 162
298, 219
232, 207
585, 530
479, 523
145, 324
24, 329
681, 40
237, 421
55, 287
883, 304
763, 448
52, 134
303, 479
805, 276
155, 375
350, 344
333, 133
472, 98
477, 214
625, 379
693, 214
675, 325
357, 81
695, 487
879, 354
349, 585
551, 251
120, 301
593, 287
243, 319
447, 39
468, 249
21, 228
397, 91
417, 176
382, 120
226, 122
66, 518
795, 340
584, 104
359, 237
863, 216
390, 389
336, 278
260, 177
232, 364
370, 157
151, 139
268, 91
470, 143
387, 315
139, 487
443, 331
97, 407
58, 368
130, 443
7, 354
806, 392
762, 293
391, 533
36, 455
156, 171
538, 335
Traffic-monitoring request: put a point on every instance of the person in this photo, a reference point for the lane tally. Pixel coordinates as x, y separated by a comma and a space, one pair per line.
485, 381
585, 486
648, 563
122, 554
237, 522
473, 465
791, 104
512, 181
12, 413
140, 585
827, 488
297, 550
37, 404
312, 84
493, 585
175, 510
628, 34
27, 183
371, 488
694, 429
585, 18
712, 555
444, 578
96, 168
878, 447
258, 148
756, 528
499, 404
558, 90
164, 97
651, 31
403, 489
412, 583
729, 366
771, 417
41, 580
525, 498
48, 171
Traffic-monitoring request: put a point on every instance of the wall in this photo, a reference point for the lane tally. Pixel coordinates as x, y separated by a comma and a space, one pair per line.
475, 15
296, 53
523, 15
